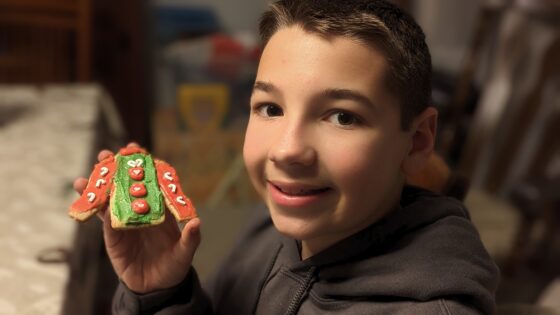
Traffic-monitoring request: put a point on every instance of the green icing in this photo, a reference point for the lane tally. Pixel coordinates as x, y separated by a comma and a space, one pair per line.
122, 200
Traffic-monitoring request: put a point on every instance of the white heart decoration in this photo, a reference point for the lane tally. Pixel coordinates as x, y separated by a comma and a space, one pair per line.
136, 172
135, 163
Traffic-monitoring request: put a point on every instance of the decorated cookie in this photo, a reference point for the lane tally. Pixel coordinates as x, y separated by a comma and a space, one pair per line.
137, 189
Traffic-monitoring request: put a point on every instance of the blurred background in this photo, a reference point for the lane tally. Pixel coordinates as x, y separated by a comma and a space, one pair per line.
175, 76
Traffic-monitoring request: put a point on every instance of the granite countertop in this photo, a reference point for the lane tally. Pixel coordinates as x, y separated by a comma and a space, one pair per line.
47, 137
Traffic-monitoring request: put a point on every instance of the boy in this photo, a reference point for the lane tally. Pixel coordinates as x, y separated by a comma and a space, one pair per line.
339, 117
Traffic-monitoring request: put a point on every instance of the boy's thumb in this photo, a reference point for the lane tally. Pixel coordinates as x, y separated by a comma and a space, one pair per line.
190, 237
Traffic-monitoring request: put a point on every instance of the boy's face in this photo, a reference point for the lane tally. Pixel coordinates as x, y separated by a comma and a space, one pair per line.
324, 146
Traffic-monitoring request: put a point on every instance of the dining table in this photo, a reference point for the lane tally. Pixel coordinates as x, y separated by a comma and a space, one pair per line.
49, 136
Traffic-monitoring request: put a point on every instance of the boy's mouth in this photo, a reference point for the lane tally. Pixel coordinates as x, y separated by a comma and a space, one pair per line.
298, 190
296, 195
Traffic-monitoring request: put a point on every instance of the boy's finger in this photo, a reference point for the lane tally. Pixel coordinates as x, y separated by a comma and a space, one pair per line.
111, 236
80, 184
190, 238
104, 154
101, 214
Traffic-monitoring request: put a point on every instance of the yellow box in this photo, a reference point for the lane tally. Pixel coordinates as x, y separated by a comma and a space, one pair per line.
203, 107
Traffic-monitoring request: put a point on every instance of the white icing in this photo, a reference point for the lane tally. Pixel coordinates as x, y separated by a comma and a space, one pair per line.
100, 182
167, 175
136, 188
104, 171
173, 187
136, 172
181, 200
91, 196
135, 163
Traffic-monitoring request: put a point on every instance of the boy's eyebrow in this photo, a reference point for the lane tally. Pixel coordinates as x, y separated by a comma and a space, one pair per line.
264, 86
334, 94
345, 94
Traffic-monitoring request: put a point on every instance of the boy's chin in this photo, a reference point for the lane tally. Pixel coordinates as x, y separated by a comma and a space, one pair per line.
294, 228
291, 234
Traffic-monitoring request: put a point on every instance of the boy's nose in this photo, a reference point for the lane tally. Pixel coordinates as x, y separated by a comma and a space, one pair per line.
293, 148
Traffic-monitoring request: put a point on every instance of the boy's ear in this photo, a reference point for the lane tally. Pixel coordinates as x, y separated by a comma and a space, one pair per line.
423, 130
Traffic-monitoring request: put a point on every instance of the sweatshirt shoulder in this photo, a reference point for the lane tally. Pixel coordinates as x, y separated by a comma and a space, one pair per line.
430, 203
459, 265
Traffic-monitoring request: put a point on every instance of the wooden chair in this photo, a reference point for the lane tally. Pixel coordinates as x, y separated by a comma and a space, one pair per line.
515, 100
45, 41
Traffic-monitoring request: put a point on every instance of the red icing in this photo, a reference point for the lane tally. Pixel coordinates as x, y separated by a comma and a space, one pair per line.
140, 206
131, 150
136, 173
137, 190
102, 192
186, 211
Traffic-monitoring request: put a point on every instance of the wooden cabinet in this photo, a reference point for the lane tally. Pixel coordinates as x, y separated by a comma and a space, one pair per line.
44, 41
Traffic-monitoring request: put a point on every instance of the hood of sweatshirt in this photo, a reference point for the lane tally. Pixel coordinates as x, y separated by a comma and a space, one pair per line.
425, 249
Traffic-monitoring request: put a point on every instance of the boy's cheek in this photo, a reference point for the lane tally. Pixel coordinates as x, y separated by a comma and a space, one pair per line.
254, 159
367, 169
257, 141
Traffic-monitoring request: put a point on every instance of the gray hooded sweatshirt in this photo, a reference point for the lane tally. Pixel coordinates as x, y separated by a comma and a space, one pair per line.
425, 257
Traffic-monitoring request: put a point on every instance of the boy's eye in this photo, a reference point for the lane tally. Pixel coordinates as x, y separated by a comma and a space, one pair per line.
269, 110
343, 119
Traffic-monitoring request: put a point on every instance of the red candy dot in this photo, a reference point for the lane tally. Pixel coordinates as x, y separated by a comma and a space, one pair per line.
136, 173
140, 206
137, 190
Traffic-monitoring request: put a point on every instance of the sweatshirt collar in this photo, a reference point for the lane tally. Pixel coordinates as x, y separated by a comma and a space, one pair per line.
369, 238
406, 216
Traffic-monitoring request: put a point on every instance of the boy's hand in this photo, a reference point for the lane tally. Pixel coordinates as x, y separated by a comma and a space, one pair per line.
151, 258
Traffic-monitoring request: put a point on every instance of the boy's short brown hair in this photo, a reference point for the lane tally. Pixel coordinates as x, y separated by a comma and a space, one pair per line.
376, 23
